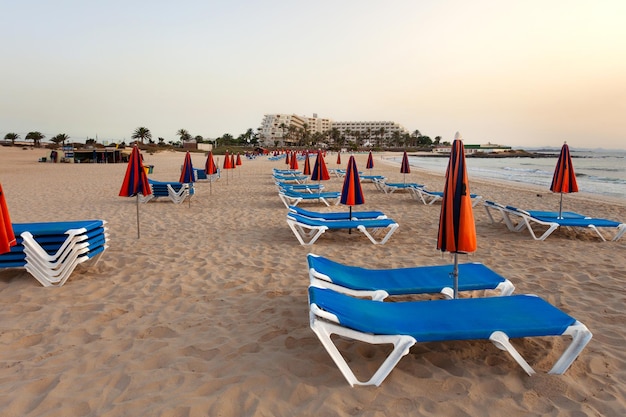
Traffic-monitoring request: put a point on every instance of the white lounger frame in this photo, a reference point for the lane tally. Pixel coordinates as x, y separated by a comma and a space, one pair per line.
429, 198
325, 324
308, 234
525, 220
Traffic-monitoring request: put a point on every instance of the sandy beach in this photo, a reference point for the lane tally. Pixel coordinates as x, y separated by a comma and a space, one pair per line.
207, 313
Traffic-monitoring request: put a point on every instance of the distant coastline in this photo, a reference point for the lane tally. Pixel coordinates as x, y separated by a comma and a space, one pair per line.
508, 154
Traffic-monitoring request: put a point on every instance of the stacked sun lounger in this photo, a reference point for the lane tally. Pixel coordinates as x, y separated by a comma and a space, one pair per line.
51, 251
517, 220
177, 192
337, 307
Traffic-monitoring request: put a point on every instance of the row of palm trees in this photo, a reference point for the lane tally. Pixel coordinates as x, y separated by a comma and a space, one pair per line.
292, 136
37, 137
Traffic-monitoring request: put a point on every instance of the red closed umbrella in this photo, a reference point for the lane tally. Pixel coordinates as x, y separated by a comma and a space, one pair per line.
564, 178
294, 162
135, 181
238, 161
405, 168
7, 237
457, 230
338, 158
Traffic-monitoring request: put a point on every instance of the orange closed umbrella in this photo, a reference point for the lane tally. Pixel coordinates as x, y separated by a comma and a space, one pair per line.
7, 237
457, 230
564, 178
307, 165
211, 169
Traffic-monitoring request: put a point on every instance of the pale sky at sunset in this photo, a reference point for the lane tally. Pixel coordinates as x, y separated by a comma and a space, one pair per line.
519, 73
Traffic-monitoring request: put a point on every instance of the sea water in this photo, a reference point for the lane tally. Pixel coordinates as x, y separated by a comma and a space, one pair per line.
597, 171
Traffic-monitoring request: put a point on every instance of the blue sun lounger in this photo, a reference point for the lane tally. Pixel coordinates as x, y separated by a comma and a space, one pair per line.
379, 284
333, 216
309, 187
293, 198
517, 219
430, 197
391, 187
403, 324
308, 230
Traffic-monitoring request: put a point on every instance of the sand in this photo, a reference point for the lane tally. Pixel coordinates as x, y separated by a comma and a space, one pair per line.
207, 314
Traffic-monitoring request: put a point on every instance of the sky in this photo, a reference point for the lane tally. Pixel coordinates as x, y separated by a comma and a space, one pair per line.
519, 73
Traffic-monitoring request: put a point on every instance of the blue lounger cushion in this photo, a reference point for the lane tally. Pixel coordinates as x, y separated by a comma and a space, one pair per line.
381, 283
332, 216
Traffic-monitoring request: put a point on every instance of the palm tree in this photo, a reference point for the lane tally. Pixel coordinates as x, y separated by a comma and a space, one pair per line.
36, 137
12, 137
60, 138
142, 133
184, 135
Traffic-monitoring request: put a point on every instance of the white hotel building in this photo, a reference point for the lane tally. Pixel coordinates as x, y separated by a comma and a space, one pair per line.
275, 126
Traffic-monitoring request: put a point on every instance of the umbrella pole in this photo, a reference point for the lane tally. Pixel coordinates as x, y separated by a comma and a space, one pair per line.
137, 204
350, 230
561, 206
455, 275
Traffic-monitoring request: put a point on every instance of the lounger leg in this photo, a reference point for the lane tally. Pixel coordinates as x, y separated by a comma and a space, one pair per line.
580, 337
312, 235
621, 229
392, 228
401, 344
501, 340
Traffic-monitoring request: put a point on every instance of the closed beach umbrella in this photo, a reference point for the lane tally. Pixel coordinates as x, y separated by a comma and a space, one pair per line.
370, 161
307, 165
227, 165
7, 237
564, 178
457, 230
338, 158
238, 161
211, 169
186, 175
135, 181
351, 193
405, 168
320, 172
233, 165
210, 166
294, 162
287, 159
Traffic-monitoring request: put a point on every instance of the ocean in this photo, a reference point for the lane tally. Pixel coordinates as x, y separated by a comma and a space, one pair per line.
598, 171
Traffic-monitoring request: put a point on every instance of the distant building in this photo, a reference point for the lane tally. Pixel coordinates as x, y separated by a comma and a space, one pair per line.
471, 149
275, 128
